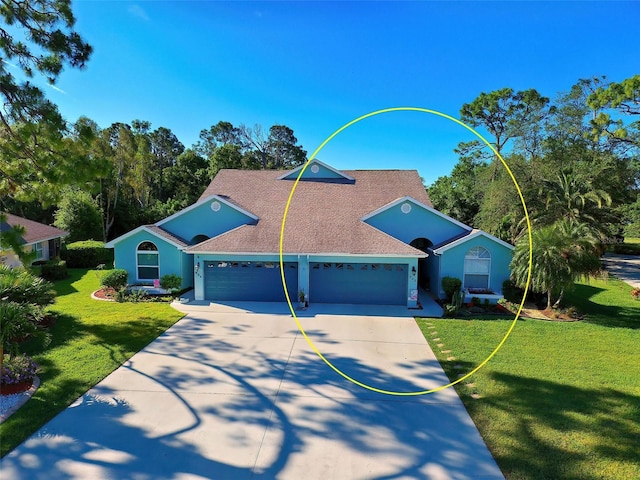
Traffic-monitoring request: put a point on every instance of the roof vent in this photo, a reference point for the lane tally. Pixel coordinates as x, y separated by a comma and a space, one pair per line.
215, 206
315, 168
405, 208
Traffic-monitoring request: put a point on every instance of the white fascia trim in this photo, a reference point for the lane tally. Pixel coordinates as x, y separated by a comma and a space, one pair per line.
444, 248
202, 202
46, 239
308, 164
419, 204
142, 228
310, 255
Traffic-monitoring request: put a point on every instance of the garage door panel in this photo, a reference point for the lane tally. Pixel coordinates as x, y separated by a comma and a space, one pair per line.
376, 284
249, 281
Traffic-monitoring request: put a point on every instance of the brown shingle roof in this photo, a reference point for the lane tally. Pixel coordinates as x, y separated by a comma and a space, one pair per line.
323, 217
34, 231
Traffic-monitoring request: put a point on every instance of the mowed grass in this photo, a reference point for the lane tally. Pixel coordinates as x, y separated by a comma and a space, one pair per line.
90, 340
558, 400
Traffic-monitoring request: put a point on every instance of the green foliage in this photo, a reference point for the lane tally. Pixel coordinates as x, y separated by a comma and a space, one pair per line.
459, 195
35, 156
87, 254
451, 285
511, 292
21, 286
132, 296
80, 215
171, 282
506, 114
116, 278
18, 368
624, 98
562, 253
54, 270
16, 323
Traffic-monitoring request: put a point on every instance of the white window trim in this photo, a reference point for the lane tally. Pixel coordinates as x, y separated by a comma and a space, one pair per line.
464, 269
152, 252
39, 249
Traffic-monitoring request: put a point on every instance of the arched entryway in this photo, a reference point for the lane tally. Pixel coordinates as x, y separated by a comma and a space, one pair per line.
423, 244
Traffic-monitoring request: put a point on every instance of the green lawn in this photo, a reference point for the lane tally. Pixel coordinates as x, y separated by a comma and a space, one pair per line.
559, 400
90, 339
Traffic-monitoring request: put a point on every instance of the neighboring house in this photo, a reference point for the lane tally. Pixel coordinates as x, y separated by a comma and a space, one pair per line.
41, 238
364, 236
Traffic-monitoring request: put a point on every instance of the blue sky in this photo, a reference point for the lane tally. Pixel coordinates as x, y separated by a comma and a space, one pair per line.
316, 66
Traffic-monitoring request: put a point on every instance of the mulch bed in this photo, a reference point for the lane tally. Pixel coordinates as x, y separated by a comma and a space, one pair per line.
105, 294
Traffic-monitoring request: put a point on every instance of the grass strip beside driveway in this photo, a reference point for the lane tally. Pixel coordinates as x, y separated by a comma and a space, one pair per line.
559, 400
90, 340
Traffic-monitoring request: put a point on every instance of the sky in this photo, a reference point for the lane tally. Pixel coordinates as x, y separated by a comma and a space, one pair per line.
315, 66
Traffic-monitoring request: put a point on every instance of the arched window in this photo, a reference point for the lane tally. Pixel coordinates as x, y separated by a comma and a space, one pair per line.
477, 267
148, 261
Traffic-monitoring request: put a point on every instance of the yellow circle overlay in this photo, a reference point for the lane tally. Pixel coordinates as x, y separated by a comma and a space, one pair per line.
284, 219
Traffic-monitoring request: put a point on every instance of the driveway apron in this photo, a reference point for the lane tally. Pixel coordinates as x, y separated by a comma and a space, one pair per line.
235, 392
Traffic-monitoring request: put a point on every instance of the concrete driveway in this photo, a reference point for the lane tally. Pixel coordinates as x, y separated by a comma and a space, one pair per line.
235, 392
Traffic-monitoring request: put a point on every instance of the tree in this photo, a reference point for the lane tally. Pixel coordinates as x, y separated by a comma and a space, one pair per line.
222, 133
622, 99
277, 150
165, 149
562, 253
579, 202
459, 195
34, 155
226, 146
283, 149
33, 152
507, 114
80, 215
117, 145
187, 179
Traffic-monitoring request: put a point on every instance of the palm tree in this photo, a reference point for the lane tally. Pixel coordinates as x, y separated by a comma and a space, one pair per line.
20, 286
562, 254
569, 198
16, 323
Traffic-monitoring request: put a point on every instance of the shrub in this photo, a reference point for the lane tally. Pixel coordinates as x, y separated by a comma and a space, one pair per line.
133, 296
450, 311
54, 270
80, 214
511, 292
171, 282
115, 279
20, 286
87, 254
20, 368
451, 285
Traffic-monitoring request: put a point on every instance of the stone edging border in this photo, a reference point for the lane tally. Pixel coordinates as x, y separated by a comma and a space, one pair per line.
93, 295
26, 395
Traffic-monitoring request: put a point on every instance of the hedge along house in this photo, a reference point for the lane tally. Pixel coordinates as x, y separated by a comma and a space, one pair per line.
358, 237
42, 239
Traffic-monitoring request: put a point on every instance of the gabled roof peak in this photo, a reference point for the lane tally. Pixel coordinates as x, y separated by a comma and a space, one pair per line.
315, 170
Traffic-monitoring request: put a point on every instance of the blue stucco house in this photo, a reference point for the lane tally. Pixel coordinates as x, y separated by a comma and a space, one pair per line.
359, 237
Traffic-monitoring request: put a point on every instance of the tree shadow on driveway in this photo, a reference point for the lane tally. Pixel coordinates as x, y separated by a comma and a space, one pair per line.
197, 405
